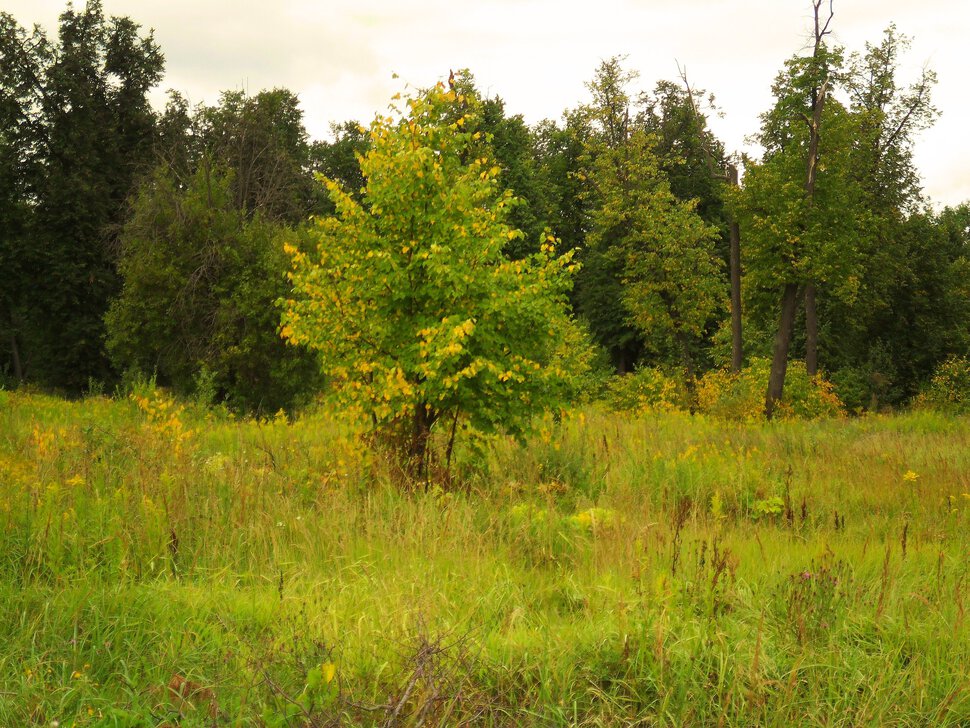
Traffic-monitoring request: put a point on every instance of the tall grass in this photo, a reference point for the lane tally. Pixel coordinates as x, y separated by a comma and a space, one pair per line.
161, 565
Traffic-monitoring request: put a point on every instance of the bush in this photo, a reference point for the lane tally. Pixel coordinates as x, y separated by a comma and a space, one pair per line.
949, 388
742, 396
648, 389
854, 386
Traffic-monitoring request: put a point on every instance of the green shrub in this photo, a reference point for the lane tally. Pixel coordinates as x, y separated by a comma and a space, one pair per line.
854, 387
949, 388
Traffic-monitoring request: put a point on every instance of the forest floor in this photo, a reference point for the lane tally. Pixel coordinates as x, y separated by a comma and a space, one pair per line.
162, 565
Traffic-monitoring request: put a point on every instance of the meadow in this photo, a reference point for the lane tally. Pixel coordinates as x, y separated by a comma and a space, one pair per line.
162, 565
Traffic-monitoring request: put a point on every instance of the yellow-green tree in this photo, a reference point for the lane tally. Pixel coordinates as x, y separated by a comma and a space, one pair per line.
418, 318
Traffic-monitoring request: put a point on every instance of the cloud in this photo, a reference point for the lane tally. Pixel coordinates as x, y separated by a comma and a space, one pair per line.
536, 54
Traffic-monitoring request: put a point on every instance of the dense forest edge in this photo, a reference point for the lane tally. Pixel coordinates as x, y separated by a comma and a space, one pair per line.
142, 243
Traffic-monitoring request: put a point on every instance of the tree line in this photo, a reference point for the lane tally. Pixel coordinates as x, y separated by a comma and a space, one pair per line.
152, 241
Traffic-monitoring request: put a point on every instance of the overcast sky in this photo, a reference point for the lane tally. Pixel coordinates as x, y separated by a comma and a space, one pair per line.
536, 54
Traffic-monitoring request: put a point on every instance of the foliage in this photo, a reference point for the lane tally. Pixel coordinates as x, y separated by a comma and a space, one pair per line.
647, 389
22, 55
560, 151
949, 389
669, 272
789, 238
921, 312
261, 139
197, 307
339, 159
905, 317
691, 157
97, 134
646, 248
731, 396
416, 314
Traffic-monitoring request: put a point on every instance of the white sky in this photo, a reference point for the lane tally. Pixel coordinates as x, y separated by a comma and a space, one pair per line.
536, 54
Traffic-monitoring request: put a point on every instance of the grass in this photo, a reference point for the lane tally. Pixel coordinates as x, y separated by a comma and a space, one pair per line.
161, 566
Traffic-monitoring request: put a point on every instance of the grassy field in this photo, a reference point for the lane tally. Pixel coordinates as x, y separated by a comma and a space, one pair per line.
170, 567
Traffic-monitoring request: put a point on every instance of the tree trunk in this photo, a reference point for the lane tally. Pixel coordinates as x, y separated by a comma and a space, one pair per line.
18, 368
811, 331
737, 348
417, 447
779, 362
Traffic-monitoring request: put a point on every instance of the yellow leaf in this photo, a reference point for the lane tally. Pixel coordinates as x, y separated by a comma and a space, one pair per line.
329, 671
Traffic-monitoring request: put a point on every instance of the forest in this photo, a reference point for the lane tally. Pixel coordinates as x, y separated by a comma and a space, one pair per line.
453, 419
139, 242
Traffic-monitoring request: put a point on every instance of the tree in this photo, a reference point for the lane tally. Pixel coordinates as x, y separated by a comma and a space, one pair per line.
801, 210
694, 161
652, 264
200, 260
263, 140
560, 155
862, 334
339, 159
417, 316
668, 268
197, 305
97, 135
23, 55
600, 292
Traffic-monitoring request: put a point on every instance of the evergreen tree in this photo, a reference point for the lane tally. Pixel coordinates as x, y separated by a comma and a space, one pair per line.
97, 139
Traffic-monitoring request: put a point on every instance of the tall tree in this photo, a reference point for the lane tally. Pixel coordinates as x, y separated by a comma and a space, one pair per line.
889, 114
97, 138
665, 252
600, 291
801, 210
694, 161
651, 276
23, 56
201, 260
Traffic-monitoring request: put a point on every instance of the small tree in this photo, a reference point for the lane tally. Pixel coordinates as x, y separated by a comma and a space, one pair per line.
417, 316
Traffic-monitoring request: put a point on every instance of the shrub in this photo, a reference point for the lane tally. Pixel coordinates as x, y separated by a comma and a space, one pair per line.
949, 388
742, 396
648, 389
